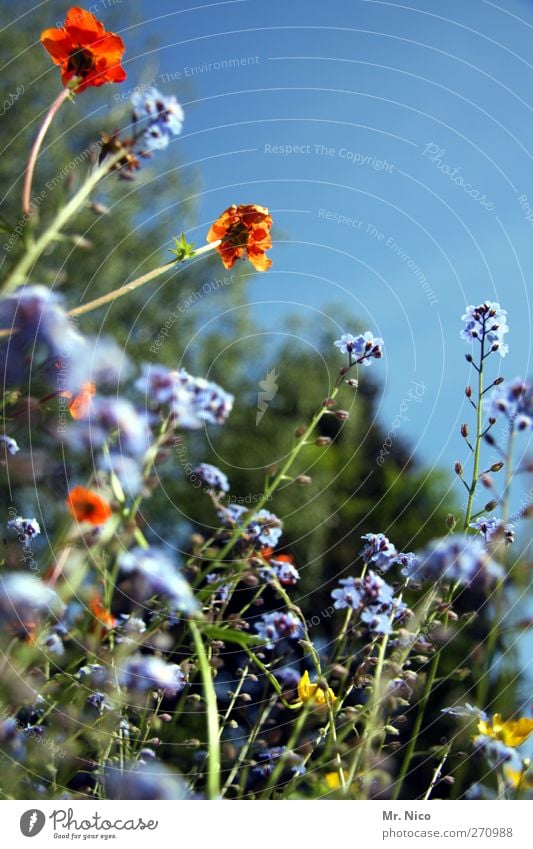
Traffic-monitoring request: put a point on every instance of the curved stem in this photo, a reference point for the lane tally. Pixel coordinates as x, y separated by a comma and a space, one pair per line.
21, 269
111, 297
36, 147
213, 726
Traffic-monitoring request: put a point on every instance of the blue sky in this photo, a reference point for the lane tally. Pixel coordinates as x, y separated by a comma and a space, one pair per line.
391, 142
408, 188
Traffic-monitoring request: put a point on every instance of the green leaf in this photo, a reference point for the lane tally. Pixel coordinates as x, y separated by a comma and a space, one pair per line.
184, 249
231, 636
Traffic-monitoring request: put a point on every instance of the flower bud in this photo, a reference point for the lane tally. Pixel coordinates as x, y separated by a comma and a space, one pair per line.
451, 521
323, 440
464, 430
489, 439
468, 391
197, 540
490, 505
300, 430
328, 402
486, 480
498, 381
458, 468
468, 358
99, 209
303, 480
250, 580
496, 467
352, 382
342, 415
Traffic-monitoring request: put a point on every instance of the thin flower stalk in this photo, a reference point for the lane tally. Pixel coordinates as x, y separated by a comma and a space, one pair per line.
36, 147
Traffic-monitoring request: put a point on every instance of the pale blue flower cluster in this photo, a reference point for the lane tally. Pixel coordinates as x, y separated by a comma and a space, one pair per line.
160, 116
361, 349
487, 324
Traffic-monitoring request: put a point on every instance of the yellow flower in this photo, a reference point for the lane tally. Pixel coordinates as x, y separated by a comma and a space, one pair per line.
309, 692
518, 780
512, 733
333, 779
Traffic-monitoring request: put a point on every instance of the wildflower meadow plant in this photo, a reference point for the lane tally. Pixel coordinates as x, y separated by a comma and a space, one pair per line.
204, 675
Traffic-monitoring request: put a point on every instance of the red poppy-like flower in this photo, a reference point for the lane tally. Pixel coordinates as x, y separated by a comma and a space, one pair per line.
87, 54
87, 506
243, 229
268, 555
104, 616
282, 566
80, 405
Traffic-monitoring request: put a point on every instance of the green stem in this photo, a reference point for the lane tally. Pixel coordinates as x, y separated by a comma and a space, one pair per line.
111, 297
430, 680
271, 678
437, 772
249, 742
508, 474
281, 475
361, 753
498, 595
213, 727
20, 271
293, 739
479, 437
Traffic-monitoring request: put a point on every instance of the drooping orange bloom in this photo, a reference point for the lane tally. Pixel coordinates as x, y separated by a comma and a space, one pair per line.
80, 405
87, 54
243, 229
87, 506
102, 613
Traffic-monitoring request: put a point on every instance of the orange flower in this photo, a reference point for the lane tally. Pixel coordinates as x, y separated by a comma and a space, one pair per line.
87, 54
80, 405
102, 613
87, 506
267, 554
243, 229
